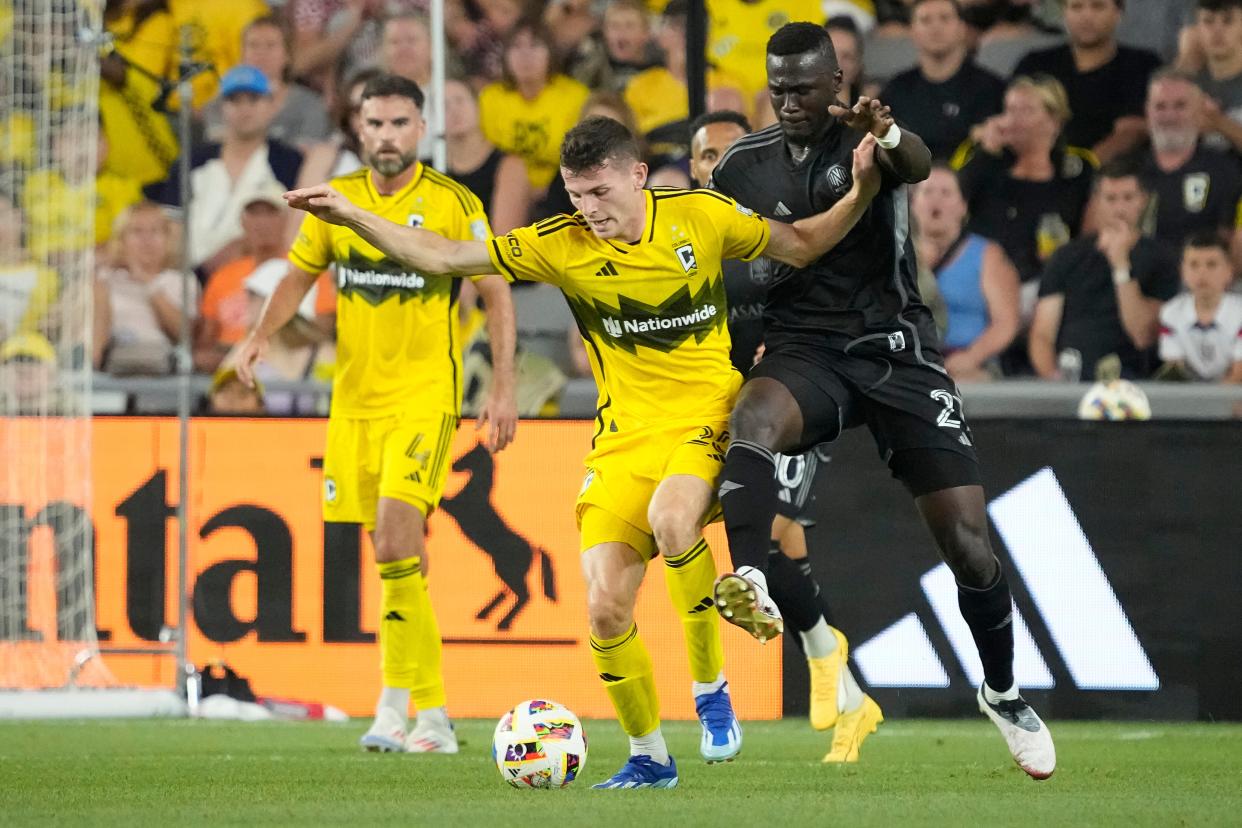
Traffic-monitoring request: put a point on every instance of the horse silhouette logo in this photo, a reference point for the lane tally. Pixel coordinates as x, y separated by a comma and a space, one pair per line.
512, 555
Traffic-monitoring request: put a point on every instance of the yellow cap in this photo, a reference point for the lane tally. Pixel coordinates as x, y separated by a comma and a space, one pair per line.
227, 374
29, 345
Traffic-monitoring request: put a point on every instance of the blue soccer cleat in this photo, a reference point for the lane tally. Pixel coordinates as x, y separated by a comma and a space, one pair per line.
642, 772
722, 733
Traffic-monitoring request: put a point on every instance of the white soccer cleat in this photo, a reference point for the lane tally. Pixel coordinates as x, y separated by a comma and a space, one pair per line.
429, 738
387, 733
742, 601
1025, 733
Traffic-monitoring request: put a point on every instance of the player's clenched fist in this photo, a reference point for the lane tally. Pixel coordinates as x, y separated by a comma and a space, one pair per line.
322, 202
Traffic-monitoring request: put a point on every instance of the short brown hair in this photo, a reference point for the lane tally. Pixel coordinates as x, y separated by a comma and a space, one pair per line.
595, 141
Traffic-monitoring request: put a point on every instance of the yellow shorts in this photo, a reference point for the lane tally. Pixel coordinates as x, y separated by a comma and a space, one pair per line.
403, 456
622, 477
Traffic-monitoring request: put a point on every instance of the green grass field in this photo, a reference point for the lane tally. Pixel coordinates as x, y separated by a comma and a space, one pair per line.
921, 773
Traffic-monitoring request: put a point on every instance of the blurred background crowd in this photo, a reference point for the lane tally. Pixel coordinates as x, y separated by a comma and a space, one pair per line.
1084, 212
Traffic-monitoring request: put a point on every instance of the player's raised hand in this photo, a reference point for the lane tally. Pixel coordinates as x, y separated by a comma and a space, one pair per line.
866, 173
499, 415
868, 115
323, 202
251, 350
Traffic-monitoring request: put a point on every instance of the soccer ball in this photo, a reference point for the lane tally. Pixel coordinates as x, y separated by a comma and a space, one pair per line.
1116, 400
539, 744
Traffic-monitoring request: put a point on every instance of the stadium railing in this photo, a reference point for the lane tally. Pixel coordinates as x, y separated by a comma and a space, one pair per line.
1014, 398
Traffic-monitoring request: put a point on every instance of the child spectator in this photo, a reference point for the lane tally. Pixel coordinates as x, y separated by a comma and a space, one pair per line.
1201, 329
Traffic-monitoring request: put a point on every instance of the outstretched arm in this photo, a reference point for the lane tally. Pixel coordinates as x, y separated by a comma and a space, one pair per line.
909, 158
423, 250
801, 243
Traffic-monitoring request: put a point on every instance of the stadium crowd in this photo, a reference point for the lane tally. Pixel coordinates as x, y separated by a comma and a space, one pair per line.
1085, 208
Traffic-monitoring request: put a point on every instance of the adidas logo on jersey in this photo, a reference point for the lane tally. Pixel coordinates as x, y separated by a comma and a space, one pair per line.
609, 269
1052, 557
782, 210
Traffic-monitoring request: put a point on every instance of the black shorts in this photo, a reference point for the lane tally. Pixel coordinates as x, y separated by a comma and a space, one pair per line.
795, 479
908, 405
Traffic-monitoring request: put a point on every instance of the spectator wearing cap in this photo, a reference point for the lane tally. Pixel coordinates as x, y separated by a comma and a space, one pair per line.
28, 375
301, 118
301, 350
230, 397
225, 175
226, 305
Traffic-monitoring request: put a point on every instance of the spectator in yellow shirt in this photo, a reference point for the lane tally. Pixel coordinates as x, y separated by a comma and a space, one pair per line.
27, 288
529, 112
739, 32
659, 98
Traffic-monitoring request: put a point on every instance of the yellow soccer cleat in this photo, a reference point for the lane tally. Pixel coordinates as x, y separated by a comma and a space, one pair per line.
852, 728
745, 603
825, 676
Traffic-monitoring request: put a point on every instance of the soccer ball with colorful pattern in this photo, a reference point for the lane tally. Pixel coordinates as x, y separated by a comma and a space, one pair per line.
539, 744
1116, 400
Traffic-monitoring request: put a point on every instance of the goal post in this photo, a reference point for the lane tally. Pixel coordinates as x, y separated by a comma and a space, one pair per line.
49, 140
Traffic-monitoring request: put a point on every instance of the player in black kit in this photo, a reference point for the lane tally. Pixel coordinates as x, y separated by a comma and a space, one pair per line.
849, 342
836, 699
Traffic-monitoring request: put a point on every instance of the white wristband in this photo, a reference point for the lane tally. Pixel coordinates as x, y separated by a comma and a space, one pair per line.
1121, 275
890, 139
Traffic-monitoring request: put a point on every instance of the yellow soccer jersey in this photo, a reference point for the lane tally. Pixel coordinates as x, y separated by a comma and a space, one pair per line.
740, 30
532, 130
653, 313
397, 341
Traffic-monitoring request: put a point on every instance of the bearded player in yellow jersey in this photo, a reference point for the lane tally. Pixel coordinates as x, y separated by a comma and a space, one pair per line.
641, 270
396, 396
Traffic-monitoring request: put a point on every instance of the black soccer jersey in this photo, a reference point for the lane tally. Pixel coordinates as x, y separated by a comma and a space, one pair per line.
745, 286
1205, 193
943, 113
866, 286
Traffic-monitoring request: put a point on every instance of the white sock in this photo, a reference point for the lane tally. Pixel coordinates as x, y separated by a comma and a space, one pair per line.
995, 698
849, 694
436, 717
396, 699
701, 687
754, 575
650, 745
819, 641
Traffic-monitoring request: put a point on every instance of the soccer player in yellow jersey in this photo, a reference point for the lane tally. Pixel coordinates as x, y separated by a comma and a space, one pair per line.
641, 270
397, 393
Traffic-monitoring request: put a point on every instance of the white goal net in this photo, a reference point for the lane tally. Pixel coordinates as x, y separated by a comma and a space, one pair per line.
49, 90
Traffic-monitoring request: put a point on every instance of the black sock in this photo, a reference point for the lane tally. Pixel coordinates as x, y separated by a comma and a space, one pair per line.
793, 589
824, 607
748, 496
989, 614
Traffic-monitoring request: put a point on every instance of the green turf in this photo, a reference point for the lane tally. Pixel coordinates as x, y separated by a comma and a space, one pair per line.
922, 773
